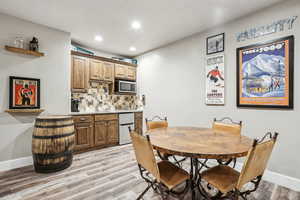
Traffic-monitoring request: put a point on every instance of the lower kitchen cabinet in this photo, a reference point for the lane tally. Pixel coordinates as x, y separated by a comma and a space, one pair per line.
100, 133
84, 136
106, 129
113, 132
100, 130
95, 131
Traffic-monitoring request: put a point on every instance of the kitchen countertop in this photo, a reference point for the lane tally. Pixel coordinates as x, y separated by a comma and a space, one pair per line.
105, 112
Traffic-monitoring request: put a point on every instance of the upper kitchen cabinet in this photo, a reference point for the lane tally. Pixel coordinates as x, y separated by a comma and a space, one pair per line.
125, 72
96, 69
131, 73
86, 68
120, 71
108, 71
79, 75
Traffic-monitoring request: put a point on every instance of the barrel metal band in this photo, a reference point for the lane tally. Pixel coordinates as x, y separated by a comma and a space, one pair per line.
54, 120
52, 136
54, 126
40, 156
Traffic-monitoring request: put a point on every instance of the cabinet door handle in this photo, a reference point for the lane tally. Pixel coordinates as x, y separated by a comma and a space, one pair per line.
82, 119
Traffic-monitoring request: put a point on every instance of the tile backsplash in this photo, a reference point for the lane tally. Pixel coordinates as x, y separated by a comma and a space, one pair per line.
99, 99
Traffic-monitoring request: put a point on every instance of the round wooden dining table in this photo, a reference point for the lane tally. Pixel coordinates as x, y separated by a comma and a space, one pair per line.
199, 143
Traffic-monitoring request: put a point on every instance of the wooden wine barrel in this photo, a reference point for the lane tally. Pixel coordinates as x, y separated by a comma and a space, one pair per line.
52, 143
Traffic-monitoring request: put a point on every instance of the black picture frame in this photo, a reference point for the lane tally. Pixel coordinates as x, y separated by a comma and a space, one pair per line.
210, 39
12, 97
290, 74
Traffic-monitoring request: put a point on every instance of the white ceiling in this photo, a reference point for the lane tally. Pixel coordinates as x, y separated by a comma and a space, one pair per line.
163, 21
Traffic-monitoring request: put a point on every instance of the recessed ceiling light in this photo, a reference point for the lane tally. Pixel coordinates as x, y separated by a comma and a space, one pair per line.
99, 38
136, 25
132, 48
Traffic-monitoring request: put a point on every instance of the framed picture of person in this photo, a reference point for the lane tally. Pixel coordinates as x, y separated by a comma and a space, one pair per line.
215, 44
265, 74
24, 93
215, 80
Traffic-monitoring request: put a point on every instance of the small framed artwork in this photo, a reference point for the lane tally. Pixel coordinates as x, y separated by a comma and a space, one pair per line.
265, 74
24, 93
215, 44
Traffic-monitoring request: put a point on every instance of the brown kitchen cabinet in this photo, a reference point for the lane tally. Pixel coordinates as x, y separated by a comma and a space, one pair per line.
138, 121
108, 71
79, 73
96, 69
86, 68
131, 73
110, 128
120, 71
125, 72
96, 131
113, 132
84, 136
84, 132
100, 133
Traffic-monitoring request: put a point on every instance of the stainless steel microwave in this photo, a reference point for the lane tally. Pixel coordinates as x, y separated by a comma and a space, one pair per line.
122, 86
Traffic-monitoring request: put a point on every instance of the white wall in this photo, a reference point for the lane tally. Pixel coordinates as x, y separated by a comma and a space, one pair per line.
53, 70
173, 80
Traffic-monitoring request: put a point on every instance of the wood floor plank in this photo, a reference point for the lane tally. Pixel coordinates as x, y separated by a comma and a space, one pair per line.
106, 174
45, 178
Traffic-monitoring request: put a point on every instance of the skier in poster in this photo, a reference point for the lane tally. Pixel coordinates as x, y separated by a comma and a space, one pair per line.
214, 74
277, 84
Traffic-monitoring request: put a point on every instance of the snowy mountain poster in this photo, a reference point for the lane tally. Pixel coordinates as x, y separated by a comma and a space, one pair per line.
265, 74
215, 80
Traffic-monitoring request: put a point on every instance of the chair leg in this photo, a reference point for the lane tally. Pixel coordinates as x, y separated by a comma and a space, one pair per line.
218, 196
182, 192
144, 192
235, 195
234, 162
164, 195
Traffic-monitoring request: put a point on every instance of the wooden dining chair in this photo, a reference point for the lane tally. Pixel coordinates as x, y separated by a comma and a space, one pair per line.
227, 125
162, 176
230, 182
159, 122
156, 122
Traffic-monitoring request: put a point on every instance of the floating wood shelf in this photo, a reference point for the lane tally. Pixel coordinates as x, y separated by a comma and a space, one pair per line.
25, 110
24, 51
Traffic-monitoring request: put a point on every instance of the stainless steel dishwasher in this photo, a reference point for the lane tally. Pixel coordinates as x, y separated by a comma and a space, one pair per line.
125, 120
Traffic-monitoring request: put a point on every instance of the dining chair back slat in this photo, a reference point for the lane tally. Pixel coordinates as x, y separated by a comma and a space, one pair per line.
256, 162
144, 153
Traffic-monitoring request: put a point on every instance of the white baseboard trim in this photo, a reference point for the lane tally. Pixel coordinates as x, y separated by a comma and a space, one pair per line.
273, 177
278, 179
16, 163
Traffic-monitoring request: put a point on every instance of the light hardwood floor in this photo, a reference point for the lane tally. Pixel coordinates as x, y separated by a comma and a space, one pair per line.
107, 174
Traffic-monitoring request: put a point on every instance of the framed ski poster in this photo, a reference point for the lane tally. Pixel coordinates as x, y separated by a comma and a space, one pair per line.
215, 80
265, 74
